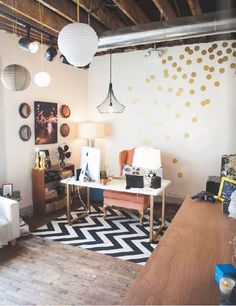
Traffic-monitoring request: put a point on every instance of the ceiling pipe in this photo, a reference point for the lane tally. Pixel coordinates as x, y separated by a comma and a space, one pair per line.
181, 28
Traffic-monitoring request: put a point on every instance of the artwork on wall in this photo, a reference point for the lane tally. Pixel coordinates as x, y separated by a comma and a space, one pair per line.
45, 122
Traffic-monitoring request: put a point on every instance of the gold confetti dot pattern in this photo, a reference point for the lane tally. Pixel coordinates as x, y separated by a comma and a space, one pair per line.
192, 91
222, 70
174, 160
211, 69
204, 52
130, 88
174, 77
159, 88
203, 88
180, 174
163, 61
188, 62
199, 60
174, 65
191, 81
209, 76
225, 44
184, 76
181, 57
169, 58
177, 115
152, 77
186, 135
194, 119
147, 80
217, 84
193, 74
196, 48
187, 104
205, 102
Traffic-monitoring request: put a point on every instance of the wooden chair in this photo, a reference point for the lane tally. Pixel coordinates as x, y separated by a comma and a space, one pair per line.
124, 199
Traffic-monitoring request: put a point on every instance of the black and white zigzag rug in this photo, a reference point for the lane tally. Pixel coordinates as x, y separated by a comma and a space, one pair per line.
119, 234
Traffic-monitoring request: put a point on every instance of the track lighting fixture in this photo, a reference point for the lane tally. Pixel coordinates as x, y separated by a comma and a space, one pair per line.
51, 51
27, 43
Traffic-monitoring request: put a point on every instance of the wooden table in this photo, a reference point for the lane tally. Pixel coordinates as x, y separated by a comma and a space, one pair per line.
181, 269
120, 185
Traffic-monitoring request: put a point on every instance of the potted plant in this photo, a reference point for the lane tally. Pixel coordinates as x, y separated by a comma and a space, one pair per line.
103, 177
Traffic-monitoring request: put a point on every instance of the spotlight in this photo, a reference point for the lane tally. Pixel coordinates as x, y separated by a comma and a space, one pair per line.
51, 52
27, 43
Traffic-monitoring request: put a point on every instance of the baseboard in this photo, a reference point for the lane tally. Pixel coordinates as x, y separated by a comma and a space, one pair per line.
26, 211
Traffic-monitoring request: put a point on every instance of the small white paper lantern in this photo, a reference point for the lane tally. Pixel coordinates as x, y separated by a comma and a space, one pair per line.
78, 42
42, 79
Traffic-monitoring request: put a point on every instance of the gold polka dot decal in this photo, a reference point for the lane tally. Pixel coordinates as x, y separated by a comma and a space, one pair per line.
211, 69
130, 88
225, 44
147, 80
147, 142
135, 100
186, 135
196, 48
220, 61
234, 54
174, 160
166, 73
174, 65
167, 136
199, 60
181, 57
214, 46
152, 77
192, 91
209, 76
225, 58
217, 84
204, 52
180, 174
191, 81
206, 67
210, 50
163, 62
205, 102
179, 69
174, 77
229, 50
233, 45
193, 74
170, 89
188, 62
194, 119
221, 70
219, 53
187, 49
190, 52
169, 58
159, 88
187, 104
233, 66
184, 76
177, 115
203, 88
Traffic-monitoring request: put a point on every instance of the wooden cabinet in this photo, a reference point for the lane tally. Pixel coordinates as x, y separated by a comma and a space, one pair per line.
48, 193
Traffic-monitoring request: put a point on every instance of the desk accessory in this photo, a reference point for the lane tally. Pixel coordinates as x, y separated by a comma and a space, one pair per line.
224, 270
213, 184
134, 181
204, 195
227, 186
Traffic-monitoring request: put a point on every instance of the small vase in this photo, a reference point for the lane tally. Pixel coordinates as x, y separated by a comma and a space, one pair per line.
104, 181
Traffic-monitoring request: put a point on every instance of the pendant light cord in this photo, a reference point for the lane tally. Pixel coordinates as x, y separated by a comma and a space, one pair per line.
110, 68
78, 10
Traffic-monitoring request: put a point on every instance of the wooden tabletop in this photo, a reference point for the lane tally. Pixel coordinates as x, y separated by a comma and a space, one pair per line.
181, 268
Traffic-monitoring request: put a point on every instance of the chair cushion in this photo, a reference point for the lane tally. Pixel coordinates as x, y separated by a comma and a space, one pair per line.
126, 196
4, 231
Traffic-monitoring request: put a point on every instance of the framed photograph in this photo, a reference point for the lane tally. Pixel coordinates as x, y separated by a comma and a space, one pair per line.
7, 190
228, 166
46, 121
227, 187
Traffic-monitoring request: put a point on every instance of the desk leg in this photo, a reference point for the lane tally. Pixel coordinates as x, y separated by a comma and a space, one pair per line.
153, 234
151, 218
88, 200
68, 213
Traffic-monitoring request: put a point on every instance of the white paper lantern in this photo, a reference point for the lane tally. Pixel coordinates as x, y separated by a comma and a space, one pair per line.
42, 79
15, 77
78, 42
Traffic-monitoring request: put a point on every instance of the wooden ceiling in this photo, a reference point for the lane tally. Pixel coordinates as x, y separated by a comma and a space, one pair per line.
48, 17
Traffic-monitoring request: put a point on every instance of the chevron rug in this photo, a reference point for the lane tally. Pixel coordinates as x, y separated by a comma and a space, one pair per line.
119, 234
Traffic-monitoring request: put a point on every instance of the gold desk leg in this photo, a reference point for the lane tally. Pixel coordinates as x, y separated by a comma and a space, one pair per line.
151, 218
88, 200
163, 209
68, 213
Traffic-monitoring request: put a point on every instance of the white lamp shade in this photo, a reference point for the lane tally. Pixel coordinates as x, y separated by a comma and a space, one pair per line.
91, 130
15, 77
78, 42
42, 79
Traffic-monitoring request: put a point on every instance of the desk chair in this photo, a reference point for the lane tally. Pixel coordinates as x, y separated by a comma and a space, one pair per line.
123, 199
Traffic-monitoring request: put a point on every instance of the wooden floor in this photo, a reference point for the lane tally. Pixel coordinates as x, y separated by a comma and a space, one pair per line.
38, 271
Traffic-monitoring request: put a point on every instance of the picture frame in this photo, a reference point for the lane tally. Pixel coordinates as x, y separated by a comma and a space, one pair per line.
7, 190
227, 187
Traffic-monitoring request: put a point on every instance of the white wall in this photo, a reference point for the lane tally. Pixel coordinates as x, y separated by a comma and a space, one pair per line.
192, 125
68, 86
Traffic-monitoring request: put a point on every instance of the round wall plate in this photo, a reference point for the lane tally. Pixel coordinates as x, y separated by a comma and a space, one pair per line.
24, 110
65, 130
25, 132
65, 111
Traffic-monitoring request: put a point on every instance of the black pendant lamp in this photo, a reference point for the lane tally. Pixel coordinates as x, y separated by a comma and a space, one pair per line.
110, 104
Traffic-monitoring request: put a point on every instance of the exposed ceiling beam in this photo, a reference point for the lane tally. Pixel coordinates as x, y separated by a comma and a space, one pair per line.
32, 13
97, 11
67, 10
165, 9
195, 7
132, 11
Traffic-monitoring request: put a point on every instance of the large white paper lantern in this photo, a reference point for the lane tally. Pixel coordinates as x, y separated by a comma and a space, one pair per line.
42, 79
15, 77
78, 42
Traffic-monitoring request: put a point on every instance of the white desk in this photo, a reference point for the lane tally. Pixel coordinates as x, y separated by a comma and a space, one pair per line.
119, 185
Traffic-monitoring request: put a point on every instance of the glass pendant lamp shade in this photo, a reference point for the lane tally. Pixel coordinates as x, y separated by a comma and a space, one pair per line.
78, 42
110, 104
42, 79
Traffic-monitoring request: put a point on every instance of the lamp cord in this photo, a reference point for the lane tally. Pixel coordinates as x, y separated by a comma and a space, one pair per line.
110, 68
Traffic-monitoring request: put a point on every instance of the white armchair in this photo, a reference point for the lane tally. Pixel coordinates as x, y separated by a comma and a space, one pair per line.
9, 221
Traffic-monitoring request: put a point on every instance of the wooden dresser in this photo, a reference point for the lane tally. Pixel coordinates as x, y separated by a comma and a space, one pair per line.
181, 269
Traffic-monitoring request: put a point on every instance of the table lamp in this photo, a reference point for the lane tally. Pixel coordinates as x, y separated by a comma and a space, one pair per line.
90, 131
